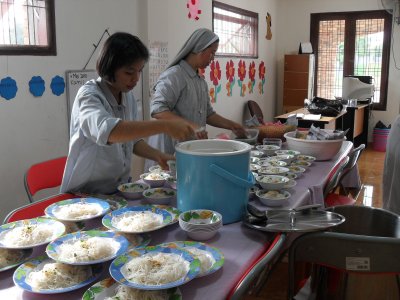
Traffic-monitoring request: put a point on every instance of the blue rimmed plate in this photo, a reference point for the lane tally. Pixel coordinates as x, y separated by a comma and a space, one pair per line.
118, 243
172, 210
21, 275
115, 201
107, 289
56, 210
50, 228
212, 260
118, 267
161, 218
13, 257
136, 240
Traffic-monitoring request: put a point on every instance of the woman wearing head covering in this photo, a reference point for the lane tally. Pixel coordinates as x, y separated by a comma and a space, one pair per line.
104, 132
180, 93
391, 170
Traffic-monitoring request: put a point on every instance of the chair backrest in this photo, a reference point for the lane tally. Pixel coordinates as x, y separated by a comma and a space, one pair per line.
36, 209
354, 155
44, 175
255, 110
335, 176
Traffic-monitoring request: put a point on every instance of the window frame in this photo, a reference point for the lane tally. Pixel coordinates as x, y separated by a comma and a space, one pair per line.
49, 50
240, 11
349, 48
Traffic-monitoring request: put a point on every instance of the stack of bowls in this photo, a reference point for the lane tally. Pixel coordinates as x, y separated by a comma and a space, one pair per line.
200, 224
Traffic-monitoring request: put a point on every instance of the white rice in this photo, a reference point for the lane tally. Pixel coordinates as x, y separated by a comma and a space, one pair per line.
127, 293
26, 235
137, 221
77, 211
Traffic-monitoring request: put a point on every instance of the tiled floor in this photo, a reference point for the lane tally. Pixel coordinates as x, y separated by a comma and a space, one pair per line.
370, 166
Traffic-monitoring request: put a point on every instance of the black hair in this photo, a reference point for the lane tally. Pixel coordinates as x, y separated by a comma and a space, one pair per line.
119, 50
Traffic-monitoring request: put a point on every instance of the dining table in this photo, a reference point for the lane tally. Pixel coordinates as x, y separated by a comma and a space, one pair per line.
247, 251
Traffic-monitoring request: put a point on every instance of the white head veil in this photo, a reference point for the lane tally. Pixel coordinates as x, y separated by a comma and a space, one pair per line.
198, 41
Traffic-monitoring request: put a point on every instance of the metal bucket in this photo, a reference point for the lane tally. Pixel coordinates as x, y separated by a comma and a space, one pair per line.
373, 238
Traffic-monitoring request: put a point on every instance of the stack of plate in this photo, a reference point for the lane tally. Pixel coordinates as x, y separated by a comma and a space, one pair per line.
200, 224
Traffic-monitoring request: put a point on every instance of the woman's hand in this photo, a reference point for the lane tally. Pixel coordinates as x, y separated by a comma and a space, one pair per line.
179, 130
239, 130
162, 159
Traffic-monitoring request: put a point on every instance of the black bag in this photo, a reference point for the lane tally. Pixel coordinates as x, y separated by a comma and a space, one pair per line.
325, 107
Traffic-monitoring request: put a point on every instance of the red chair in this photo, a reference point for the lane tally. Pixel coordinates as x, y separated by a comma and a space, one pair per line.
35, 209
44, 175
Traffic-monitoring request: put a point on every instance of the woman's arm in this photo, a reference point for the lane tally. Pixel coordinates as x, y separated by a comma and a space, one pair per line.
143, 149
217, 120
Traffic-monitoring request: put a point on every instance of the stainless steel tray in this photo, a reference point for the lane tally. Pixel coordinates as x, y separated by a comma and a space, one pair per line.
295, 221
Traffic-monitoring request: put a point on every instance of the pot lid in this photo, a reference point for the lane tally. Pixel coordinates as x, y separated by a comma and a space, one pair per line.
295, 221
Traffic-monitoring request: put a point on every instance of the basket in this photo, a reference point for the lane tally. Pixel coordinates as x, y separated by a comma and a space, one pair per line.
273, 131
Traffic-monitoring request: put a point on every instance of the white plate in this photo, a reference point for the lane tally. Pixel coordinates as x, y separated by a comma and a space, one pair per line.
15, 257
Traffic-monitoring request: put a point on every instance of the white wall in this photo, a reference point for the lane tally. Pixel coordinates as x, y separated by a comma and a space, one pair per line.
35, 129
294, 27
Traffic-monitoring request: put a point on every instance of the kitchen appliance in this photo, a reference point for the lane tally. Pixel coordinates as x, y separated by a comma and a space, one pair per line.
215, 175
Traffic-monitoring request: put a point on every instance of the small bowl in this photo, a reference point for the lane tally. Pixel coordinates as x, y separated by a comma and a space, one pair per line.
296, 170
273, 170
155, 179
301, 163
256, 153
308, 158
171, 181
272, 182
254, 167
285, 152
252, 191
268, 149
254, 160
200, 224
290, 175
133, 190
159, 195
287, 158
272, 163
273, 197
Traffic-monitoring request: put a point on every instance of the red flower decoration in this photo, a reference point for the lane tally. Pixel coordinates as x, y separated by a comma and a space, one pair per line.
215, 73
261, 70
242, 70
230, 70
252, 71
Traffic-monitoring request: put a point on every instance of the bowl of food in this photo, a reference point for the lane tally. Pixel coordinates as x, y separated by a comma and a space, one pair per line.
159, 195
133, 190
272, 182
301, 163
155, 179
273, 197
287, 158
256, 153
296, 170
289, 152
271, 170
200, 224
254, 167
268, 149
272, 162
320, 149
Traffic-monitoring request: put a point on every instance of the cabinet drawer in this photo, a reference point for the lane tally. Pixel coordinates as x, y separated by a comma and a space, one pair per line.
295, 80
299, 63
294, 97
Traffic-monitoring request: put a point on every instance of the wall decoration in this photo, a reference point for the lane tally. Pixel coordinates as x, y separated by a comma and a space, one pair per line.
252, 76
193, 7
8, 88
242, 76
261, 75
230, 76
57, 85
36, 86
158, 62
215, 76
268, 36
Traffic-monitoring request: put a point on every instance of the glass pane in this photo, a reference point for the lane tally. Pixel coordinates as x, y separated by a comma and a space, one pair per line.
330, 59
368, 52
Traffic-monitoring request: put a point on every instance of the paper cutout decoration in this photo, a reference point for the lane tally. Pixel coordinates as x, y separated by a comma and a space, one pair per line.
242, 76
36, 86
261, 75
57, 85
230, 75
252, 76
268, 36
193, 7
8, 88
215, 76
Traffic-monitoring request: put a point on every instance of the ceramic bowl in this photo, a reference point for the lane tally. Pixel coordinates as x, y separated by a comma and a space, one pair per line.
271, 170
290, 152
273, 197
256, 153
287, 158
301, 163
159, 195
133, 190
268, 149
272, 182
272, 163
200, 224
308, 158
254, 160
296, 170
155, 179
254, 167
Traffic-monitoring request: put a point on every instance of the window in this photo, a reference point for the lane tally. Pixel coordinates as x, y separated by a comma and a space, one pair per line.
351, 43
27, 27
237, 30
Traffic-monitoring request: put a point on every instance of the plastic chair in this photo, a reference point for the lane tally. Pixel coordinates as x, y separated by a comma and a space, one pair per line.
44, 175
35, 209
354, 155
367, 243
255, 110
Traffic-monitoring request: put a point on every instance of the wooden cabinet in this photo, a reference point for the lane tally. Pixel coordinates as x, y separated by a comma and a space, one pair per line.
298, 83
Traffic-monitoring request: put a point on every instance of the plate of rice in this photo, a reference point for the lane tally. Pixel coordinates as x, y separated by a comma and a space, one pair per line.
155, 268
137, 219
211, 258
77, 209
30, 233
109, 289
172, 210
87, 247
45, 276
10, 258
